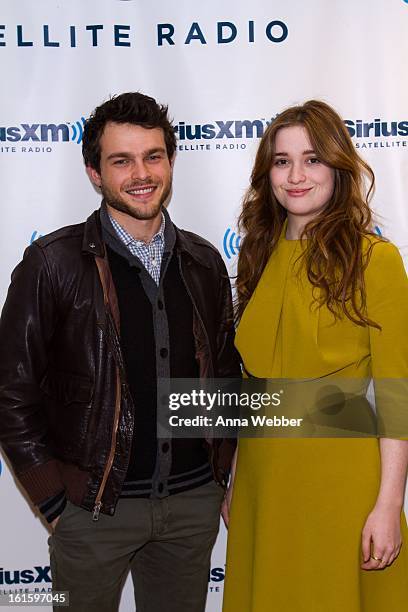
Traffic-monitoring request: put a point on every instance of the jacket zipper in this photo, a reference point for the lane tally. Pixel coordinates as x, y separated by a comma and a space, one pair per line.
109, 463
98, 501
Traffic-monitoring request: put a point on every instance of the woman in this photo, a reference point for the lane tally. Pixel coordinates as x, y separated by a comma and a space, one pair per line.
316, 524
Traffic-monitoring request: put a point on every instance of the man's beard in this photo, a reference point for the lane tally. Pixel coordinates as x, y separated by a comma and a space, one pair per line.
141, 212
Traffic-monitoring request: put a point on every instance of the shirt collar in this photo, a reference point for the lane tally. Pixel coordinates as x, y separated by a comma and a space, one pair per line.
108, 229
128, 239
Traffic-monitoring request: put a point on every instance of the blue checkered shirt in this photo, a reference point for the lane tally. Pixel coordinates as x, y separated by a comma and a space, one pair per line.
150, 254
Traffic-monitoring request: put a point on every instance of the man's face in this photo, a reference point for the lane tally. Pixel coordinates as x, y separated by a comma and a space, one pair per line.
135, 171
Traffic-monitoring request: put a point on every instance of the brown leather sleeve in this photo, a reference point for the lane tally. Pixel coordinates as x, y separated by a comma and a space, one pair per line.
27, 325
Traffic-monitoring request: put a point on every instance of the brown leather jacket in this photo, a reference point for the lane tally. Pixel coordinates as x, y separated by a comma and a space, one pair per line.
66, 415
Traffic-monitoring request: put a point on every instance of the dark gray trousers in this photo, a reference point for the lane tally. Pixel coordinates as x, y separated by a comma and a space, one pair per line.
166, 544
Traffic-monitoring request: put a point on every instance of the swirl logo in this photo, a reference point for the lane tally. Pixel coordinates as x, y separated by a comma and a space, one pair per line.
34, 236
231, 243
78, 130
1, 467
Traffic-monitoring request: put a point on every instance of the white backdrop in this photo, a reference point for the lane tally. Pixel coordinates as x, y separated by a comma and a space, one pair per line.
230, 66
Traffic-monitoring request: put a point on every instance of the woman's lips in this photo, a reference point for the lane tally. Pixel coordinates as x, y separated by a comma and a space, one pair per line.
297, 193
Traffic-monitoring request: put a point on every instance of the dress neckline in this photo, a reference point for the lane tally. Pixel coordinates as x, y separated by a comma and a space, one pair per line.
288, 241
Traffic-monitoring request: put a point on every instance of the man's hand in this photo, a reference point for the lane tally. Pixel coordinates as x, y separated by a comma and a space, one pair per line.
226, 505
54, 523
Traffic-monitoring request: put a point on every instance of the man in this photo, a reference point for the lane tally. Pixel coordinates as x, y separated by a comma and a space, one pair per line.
95, 314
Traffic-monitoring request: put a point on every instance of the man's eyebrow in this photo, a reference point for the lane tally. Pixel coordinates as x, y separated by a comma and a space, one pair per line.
119, 154
127, 155
155, 150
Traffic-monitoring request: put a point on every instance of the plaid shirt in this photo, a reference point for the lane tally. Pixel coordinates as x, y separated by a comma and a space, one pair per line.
150, 254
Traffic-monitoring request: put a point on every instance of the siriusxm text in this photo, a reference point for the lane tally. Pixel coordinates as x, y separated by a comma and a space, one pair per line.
37, 132
378, 127
25, 576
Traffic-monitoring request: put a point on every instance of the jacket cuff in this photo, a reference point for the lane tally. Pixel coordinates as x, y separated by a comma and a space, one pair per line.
42, 481
53, 506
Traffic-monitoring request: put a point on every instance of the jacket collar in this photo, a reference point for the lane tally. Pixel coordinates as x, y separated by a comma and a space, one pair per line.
92, 241
185, 243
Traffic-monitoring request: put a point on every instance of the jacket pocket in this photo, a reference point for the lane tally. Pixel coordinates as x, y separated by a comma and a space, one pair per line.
68, 402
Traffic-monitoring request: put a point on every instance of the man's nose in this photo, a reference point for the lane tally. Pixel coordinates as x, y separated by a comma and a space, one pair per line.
140, 170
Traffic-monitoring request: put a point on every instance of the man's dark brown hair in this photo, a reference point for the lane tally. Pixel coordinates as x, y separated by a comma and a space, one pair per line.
130, 107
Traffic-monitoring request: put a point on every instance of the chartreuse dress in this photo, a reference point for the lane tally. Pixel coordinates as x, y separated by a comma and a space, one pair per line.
299, 505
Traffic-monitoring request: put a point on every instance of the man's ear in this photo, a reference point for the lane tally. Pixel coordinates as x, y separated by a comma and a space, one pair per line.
94, 176
172, 160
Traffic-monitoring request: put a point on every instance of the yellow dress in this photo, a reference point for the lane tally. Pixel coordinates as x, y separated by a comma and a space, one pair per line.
299, 505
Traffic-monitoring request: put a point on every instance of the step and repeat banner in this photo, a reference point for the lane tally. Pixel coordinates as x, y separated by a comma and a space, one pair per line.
225, 69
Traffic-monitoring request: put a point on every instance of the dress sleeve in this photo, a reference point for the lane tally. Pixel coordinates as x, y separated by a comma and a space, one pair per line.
387, 305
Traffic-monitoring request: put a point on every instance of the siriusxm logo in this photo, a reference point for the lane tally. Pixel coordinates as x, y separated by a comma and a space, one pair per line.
1, 467
39, 573
377, 128
246, 128
44, 132
378, 134
231, 243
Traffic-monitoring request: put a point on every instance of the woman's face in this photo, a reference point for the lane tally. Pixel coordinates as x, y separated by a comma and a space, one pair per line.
300, 181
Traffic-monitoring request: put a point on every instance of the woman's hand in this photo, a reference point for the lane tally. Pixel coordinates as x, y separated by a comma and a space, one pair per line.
381, 537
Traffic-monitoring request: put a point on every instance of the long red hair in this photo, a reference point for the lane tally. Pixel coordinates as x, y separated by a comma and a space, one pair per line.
333, 249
